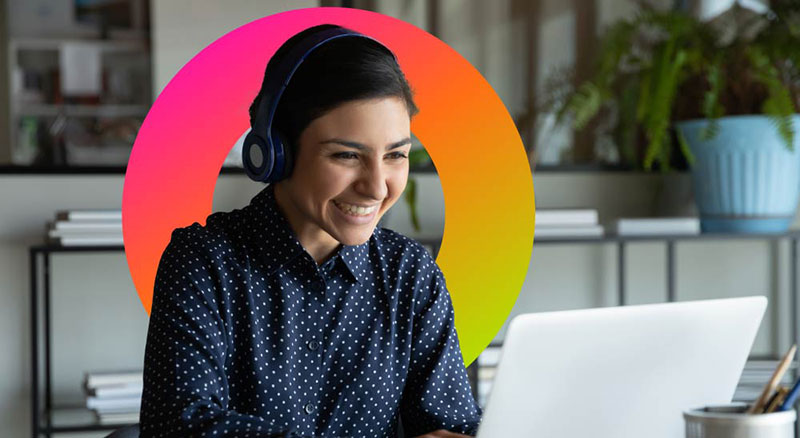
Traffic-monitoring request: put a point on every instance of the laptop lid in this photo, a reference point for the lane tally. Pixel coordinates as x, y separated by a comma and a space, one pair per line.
619, 372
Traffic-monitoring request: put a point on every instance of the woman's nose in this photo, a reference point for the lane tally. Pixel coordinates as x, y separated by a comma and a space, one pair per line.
372, 182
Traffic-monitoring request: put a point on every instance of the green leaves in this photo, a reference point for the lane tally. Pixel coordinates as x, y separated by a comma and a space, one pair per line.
584, 105
627, 122
778, 105
411, 200
684, 145
418, 157
616, 45
656, 119
712, 108
662, 66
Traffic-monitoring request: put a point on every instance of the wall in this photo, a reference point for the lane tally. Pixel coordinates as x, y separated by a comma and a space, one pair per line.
5, 151
181, 28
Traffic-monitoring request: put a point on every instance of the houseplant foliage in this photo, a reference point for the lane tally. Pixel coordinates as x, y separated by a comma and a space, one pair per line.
665, 66
416, 158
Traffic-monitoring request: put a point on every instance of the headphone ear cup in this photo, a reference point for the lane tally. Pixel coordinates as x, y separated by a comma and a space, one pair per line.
258, 159
284, 150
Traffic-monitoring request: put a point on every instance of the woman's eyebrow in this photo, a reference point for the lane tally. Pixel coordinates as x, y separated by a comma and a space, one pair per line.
361, 146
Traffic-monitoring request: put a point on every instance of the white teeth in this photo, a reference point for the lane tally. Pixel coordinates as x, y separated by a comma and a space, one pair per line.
355, 210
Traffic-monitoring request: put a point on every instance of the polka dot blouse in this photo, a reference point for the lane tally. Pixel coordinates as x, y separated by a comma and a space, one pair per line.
249, 337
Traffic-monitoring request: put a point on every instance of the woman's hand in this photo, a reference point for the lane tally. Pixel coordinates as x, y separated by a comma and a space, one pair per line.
441, 433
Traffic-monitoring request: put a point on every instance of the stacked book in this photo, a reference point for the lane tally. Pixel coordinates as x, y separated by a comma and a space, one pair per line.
567, 224
659, 226
86, 228
755, 376
114, 397
487, 367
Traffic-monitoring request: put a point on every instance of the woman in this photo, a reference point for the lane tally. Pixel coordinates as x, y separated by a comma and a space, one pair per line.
296, 315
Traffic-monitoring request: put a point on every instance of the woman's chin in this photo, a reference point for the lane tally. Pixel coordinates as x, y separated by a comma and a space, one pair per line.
354, 238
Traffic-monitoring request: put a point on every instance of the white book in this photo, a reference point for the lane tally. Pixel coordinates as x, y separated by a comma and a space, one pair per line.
90, 226
94, 240
122, 404
658, 226
88, 240
117, 391
90, 215
749, 392
118, 418
760, 364
568, 232
120, 410
566, 217
125, 411
96, 379
55, 234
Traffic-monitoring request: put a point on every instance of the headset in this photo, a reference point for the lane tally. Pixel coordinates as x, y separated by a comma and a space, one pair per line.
267, 155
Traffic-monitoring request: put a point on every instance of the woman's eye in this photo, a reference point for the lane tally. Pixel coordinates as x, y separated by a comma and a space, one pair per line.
345, 155
397, 155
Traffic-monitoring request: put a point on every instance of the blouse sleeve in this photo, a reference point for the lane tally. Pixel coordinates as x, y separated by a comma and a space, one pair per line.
437, 394
185, 387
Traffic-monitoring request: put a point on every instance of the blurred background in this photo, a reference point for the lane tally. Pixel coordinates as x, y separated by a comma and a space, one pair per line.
80, 75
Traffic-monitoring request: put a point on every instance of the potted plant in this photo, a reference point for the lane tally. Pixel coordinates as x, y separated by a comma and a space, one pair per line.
723, 93
417, 158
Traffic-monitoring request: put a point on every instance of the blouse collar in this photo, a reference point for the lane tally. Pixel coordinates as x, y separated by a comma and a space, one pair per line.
281, 244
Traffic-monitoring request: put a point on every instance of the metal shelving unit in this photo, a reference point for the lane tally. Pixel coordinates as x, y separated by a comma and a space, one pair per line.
670, 242
48, 419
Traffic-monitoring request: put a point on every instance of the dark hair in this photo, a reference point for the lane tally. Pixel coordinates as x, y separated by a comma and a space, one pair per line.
337, 72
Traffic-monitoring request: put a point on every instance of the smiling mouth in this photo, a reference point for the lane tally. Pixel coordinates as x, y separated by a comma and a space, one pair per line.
354, 210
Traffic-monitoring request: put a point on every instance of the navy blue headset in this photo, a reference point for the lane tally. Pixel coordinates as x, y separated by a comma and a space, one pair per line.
266, 154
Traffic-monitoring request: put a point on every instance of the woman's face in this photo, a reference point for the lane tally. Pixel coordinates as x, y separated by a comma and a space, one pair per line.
352, 165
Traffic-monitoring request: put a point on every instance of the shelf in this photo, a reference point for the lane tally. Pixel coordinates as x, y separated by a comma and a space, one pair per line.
48, 248
34, 69
76, 419
614, 238
433, 241
69, 110
37, 169
586, 167
110, 45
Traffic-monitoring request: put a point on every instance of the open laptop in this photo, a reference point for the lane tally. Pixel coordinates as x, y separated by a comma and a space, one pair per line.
619, 372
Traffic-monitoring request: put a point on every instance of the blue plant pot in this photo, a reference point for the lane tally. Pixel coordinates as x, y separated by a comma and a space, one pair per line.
745, 179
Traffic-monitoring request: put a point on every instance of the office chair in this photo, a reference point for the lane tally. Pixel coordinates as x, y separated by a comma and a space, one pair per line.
131, 431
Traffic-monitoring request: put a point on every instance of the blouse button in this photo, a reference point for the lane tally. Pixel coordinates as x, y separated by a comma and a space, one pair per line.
309, 408
313, 345
318, 286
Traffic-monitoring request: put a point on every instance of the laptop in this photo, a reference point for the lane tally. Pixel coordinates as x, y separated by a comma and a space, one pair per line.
619, 372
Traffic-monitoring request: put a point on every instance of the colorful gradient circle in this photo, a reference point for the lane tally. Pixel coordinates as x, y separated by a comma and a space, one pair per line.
487, 184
